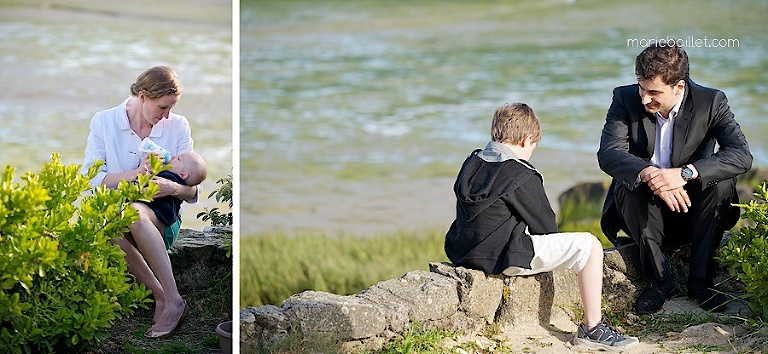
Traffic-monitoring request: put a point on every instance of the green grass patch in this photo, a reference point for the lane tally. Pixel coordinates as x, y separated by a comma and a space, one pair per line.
418, 339
172, 348
276, 266
655, 323
702, 348
294, 344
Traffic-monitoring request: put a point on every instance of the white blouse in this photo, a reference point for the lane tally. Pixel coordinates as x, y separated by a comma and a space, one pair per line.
112, 140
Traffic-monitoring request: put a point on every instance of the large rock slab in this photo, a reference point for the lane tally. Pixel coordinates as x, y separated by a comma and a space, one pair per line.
199, 258
340, 318
479, 294
417, 296
264, 324
540, 300
622, 277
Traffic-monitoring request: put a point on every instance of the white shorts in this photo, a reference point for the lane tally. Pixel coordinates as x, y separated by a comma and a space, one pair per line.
567, 250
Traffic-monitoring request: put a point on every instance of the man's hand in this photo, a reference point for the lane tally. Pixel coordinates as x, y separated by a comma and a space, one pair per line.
676, 199
645, 174
662, 179
668, 184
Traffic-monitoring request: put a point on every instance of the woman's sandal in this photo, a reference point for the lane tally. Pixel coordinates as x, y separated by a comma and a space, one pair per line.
152, 333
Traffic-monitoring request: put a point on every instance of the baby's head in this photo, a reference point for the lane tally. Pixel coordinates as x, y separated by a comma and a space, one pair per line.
190, 167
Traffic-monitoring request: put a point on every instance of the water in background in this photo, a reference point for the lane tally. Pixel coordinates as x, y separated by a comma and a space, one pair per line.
61, 64
345, 107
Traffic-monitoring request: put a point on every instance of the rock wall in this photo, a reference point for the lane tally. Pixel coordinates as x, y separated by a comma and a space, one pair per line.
446, 297
199, 258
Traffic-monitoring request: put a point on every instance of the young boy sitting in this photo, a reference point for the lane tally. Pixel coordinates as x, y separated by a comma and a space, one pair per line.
505, 224
188, 169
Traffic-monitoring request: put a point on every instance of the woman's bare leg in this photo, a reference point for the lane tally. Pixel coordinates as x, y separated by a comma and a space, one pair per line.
149, 239
140, 269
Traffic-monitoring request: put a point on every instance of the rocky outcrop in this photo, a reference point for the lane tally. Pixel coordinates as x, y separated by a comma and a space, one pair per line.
582, 203
446, 297
199, 258
748, 183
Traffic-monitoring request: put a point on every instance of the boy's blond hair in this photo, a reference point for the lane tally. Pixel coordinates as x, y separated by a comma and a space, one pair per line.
512, 123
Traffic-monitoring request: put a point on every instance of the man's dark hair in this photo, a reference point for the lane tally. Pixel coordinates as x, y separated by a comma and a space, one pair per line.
664, 58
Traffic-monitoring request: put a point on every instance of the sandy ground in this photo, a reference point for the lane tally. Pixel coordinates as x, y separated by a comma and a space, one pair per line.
711, 337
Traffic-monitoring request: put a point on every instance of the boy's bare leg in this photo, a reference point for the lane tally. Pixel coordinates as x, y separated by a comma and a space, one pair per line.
591, 285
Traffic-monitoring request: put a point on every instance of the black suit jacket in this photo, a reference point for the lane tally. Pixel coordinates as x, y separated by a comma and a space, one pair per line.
629, 136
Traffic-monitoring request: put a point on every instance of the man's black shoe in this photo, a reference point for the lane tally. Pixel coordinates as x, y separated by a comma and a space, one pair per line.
712, 301
703, 291
653, 296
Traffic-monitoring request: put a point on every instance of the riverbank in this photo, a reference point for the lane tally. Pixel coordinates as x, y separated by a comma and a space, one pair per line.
368, 205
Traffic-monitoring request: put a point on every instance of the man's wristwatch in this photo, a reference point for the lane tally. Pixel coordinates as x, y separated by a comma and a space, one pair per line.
687, 173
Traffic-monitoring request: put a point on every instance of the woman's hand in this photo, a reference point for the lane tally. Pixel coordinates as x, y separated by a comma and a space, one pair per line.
146, 167
167, 187
143, 169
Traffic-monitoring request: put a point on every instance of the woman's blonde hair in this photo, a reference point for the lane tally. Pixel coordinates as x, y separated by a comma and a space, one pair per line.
157, 82
513, 122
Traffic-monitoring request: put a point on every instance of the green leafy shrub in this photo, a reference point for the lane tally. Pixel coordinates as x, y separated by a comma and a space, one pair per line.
222, 194
64, 283
746, 254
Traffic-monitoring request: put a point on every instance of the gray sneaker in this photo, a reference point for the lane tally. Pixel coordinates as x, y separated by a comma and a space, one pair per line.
603, 337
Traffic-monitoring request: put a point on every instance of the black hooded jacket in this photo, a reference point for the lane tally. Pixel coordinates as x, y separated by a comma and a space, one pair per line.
495, 203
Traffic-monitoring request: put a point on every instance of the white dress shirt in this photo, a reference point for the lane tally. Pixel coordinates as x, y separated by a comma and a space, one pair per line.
662, 151
112, 140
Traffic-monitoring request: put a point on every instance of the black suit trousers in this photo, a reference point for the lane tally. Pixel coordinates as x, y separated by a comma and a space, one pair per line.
654, 227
